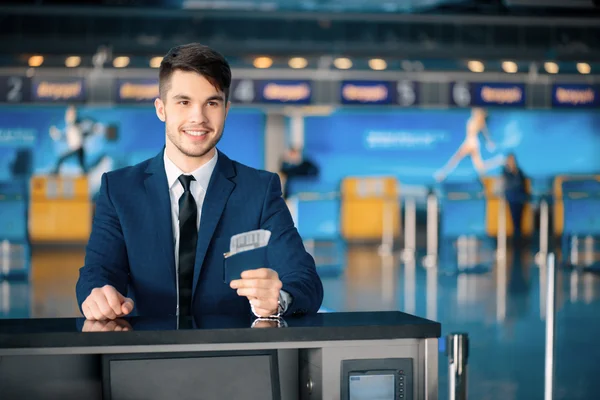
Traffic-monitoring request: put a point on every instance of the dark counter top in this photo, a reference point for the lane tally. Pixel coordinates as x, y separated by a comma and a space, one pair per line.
211, 329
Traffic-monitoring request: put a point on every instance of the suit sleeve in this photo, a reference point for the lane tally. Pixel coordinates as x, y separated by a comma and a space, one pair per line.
106, 260
287, 255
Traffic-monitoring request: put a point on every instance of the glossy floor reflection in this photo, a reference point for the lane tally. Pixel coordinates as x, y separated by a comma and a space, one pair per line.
503, 311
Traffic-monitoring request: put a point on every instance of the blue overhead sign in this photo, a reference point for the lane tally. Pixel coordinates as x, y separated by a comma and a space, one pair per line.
267, 91
466, 94
403, 93
136, 90
58, 89
575, 95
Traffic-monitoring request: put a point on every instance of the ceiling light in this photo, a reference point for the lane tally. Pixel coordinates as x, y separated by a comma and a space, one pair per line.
36, 61
121, 62
342, 63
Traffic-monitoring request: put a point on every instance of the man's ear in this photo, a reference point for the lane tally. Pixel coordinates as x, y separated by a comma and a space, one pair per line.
160, 109
227, 108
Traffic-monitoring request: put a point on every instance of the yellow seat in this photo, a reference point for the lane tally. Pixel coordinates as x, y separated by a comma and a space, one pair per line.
60, 210
366, 203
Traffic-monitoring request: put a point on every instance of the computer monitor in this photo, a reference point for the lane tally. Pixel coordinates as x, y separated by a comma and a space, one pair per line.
219, 375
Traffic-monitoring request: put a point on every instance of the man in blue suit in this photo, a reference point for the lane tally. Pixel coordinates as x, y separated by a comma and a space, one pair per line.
161, 227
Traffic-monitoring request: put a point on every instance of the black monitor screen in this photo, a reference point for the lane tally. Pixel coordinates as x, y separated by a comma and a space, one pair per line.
228, 375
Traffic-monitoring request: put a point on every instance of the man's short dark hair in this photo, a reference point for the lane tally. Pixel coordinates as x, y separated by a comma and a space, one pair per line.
195, 57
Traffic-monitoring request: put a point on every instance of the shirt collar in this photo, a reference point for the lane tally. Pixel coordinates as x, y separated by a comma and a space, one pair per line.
202, 174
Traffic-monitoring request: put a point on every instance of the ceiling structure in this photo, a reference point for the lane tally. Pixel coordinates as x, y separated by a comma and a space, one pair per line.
397, 30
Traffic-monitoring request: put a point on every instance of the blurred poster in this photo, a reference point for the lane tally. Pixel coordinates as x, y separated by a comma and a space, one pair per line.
73, 140
418, 146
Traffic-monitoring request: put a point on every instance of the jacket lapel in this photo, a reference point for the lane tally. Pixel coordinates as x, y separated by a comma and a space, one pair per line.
159, 208
218, 192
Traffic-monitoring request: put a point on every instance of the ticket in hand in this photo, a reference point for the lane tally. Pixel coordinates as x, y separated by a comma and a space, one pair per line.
249, 240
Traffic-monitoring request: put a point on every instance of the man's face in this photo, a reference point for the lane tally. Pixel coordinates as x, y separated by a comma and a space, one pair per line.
194, 113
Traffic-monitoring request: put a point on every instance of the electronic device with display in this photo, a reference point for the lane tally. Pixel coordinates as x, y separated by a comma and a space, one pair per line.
382, 379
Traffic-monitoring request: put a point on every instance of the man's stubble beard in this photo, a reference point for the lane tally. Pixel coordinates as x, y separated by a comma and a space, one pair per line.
174, 139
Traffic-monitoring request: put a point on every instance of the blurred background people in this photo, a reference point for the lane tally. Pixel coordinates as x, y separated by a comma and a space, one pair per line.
295, 165
515, 193
470, 146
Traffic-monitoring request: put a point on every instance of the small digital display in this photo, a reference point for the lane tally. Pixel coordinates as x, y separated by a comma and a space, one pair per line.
372, 387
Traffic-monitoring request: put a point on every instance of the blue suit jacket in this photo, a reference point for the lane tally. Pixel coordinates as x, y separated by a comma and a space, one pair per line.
131, 246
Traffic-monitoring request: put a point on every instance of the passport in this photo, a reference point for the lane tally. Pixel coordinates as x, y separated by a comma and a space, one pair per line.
247, 251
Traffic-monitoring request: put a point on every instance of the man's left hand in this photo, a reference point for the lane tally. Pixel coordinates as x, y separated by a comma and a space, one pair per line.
261, 287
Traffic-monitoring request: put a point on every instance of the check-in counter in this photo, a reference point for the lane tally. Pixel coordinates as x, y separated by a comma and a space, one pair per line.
328, 356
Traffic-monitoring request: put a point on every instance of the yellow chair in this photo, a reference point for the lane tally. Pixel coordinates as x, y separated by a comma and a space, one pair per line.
60, 210
366, 204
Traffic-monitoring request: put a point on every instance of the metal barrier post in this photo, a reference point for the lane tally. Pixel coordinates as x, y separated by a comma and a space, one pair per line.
457, 349
432, 298
410, 230
388, 280
540, 257
501, 250
387, 234
550, 328
5, 252
4, 296
430, 259
410, 293
574, 258
462, 252
588, 251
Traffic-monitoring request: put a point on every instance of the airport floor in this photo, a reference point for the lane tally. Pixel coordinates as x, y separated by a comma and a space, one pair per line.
503, 312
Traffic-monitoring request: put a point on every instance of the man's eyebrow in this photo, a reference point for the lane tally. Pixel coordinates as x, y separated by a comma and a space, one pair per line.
216, 97
182, 97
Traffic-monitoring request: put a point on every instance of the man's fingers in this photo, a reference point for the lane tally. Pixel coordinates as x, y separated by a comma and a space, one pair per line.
95, 311
257, 283
104, 308
127, 306
259, 293
261, 273
113, 298
87, 313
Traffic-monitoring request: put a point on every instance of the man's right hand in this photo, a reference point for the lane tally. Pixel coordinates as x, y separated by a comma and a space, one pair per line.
106, 303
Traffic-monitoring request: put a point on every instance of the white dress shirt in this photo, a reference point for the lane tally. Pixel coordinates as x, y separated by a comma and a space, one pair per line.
198, 188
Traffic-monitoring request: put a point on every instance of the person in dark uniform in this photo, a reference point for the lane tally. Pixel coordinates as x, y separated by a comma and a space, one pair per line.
295, 165
515, 193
